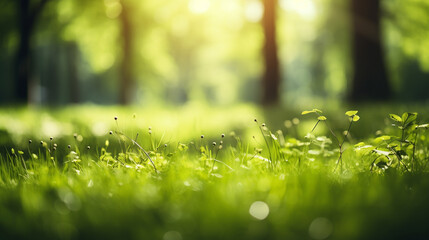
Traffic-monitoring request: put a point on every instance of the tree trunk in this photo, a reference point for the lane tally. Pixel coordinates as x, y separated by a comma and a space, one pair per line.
271, 77
26, 19
126, 81
22, 65
369, 80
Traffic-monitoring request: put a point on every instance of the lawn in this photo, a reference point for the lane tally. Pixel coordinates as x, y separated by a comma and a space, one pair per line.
193, 172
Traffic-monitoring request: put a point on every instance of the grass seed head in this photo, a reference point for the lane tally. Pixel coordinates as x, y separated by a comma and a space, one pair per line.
214, 143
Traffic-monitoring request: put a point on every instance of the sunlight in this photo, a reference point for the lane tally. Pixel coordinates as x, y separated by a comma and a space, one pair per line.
253, 11
305, 8
259, 210
198, 6
113, 8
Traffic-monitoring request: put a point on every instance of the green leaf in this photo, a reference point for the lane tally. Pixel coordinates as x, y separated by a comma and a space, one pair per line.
395, 117
321, 118
351, 113
404, 116
380, 152
306, 112
410, 117
317, 110
425, 126
382, 138
355, 118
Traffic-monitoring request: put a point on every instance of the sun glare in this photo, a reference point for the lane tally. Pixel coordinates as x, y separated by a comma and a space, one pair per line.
113, 8
305, 8
253, 11
198, 6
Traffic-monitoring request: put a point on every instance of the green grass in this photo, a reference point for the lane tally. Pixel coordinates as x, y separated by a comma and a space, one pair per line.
258, 185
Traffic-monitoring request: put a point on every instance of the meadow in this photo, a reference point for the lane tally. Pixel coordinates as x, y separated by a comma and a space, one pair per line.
199, 172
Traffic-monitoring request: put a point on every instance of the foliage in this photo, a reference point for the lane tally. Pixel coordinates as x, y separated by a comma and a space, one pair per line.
267, 186
398, 151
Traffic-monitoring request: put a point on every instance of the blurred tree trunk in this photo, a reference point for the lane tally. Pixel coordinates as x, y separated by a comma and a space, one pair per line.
369, 81
126, 71
271, 77
27, 17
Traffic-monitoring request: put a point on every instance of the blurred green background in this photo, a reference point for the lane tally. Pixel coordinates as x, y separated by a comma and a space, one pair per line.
216, 52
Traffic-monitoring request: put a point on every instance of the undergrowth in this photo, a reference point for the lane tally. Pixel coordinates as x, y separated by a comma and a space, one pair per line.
271, 186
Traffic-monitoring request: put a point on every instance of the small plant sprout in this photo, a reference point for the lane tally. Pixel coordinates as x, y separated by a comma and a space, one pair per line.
261, 128
353, 117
